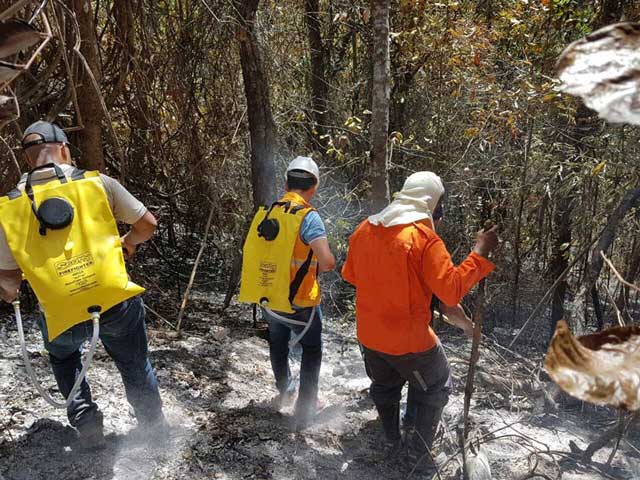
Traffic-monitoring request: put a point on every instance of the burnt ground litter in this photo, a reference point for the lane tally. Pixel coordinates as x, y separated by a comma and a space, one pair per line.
217, 389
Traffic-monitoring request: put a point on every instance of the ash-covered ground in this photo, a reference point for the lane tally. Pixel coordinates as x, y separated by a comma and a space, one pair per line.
217, 386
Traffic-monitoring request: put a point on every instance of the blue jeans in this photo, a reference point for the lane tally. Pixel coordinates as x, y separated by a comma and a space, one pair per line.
279, 336
124, 336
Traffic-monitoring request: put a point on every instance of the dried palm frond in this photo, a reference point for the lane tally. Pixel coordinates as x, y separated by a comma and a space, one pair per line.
602, 368
603, 69
8, 109
8, 71
17, 35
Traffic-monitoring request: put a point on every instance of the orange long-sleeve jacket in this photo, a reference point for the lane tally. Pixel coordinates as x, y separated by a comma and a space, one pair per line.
396, 271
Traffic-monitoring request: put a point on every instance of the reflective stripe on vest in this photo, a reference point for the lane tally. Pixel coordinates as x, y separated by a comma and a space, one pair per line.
308, 293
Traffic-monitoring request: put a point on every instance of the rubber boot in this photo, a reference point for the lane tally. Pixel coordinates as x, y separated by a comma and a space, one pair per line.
91, 434
390, 418
427, 420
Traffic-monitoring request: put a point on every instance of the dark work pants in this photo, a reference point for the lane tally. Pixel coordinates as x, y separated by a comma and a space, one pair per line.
124, 336
428, 374
279, 336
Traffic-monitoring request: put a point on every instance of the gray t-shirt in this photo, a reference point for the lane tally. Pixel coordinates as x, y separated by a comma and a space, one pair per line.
125, 207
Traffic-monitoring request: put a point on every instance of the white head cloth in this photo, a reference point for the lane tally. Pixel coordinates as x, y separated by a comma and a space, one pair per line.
416, 201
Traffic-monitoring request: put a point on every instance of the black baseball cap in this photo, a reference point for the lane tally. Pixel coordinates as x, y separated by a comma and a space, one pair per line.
49, 133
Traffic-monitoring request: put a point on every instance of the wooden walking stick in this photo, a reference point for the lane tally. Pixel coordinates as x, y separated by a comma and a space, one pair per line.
477, 466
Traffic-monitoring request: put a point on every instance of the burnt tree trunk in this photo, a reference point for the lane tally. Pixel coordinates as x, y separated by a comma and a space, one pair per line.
562, 219
524, 190
89, 140
631, 199
597, 307
318, 81
262, 128
380, 104
560, 259
126, 45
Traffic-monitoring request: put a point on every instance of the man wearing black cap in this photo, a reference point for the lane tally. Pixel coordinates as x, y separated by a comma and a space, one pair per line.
122, 328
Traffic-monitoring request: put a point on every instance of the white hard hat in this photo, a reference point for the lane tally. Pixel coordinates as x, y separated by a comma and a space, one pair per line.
305, 164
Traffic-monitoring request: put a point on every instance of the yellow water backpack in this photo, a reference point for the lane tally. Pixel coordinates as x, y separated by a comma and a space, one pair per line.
64, 237
278, 269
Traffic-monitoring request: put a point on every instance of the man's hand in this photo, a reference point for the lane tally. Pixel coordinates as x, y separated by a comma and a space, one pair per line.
10, 281
141, 231
128, 249
486, 241
9, 296
458, 318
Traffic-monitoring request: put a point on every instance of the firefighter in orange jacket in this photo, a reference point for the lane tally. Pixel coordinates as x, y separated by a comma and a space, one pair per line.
397, 263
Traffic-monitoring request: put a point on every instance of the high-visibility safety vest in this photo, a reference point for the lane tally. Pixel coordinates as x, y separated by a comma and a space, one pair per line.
277, 267
64, 237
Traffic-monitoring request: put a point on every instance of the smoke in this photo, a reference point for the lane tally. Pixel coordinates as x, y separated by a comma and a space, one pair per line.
338, 203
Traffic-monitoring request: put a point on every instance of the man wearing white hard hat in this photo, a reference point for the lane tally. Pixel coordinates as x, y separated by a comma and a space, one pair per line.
311, 255
397, 263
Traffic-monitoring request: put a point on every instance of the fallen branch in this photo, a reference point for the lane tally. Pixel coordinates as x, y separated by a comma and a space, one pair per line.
160, 316
615, 432
533, 466
423, 458
621, 429
486, 438
621, 321
617, 274
475, 354
478, 317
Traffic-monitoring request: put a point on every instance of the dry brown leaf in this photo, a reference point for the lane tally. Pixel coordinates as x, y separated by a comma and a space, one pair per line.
603, 368
8, 72
15, 36
604, 70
